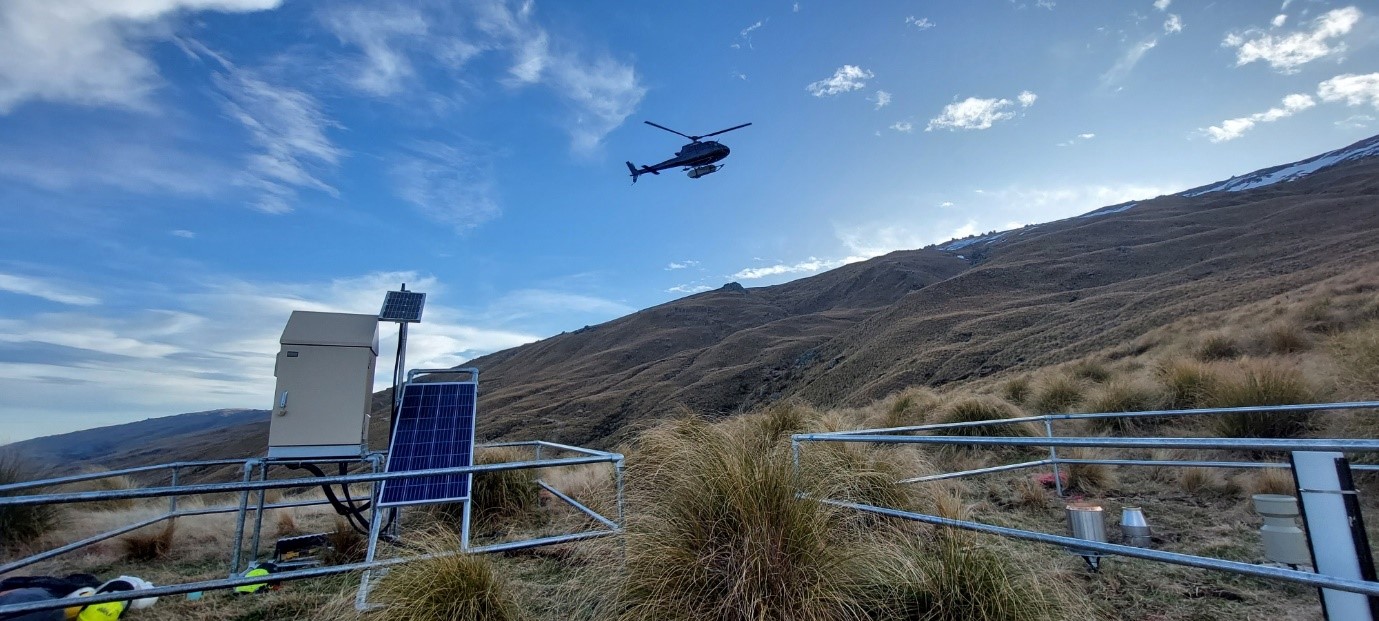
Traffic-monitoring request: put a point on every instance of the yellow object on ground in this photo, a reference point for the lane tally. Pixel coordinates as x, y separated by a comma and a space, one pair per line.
253, 588
109, 611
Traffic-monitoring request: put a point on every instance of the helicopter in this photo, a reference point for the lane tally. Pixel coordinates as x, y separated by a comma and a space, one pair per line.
696, 157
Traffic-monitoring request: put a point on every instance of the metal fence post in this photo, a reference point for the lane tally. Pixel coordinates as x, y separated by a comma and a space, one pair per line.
172, 500
239, 520
258, 516
1053, 457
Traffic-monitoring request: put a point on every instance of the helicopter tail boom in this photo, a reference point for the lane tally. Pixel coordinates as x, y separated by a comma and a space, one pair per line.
637, 173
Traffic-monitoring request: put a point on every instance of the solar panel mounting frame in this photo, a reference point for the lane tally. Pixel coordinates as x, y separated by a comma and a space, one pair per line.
396, 450
402, 306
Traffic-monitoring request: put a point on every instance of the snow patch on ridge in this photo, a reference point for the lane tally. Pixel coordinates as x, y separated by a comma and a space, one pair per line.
1291, 172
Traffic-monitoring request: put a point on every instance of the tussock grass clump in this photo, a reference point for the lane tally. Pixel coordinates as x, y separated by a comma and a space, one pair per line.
954, 579
286, 524
505, 494
1090, 370
154, 546
1283, 338
1017, 390
1058, 393
1089, 478
1260, 382
1188, 383
1205, 481
454, 587
720, 533
1125, 396
105, 484
984, 408
1217, 346
1273, 481
1357, 357
911, 406
1030, 493
347, 545
22, 524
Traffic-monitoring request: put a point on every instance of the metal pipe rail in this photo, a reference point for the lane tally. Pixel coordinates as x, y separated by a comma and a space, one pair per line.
92, 476
252, 486
1176, 558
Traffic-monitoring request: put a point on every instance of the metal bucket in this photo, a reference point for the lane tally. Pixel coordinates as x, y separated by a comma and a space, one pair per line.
1087, 521
1134, 529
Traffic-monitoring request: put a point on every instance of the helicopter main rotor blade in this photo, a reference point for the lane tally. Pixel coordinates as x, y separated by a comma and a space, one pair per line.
672, 131
724, 131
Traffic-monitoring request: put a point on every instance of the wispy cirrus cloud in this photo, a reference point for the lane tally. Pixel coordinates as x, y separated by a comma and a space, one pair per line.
598, 91
903, 127
1287, 53
846, 78
289, 128
882, 99
680, 265
91, 53
1231, 129
46, 289
977, 113
447, 183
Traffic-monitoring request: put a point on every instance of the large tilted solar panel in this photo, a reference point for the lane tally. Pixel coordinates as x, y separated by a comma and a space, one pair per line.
435, 429
405, 306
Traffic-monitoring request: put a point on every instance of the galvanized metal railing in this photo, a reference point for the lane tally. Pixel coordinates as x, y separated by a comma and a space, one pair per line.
902, 435
174, 490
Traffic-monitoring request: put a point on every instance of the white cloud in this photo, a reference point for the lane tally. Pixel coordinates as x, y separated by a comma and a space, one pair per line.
383, 34
1127, 61
1173, 25
975, 113
1072, 141
1358, 121
447, 184
689, 289
1354, 90
991, 209
796, 7
812, 264
1162, 5
1045, 4
748, 30
1231, 129
903, 127
289, 128
1279, 20
1287, 53
946, 204
45, 289
846, 78
90, 52
216, 349
680, 265
921, 23
183, 233
883, 99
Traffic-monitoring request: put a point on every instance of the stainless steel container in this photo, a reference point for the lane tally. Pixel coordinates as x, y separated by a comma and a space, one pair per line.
1087, 521
1134, 529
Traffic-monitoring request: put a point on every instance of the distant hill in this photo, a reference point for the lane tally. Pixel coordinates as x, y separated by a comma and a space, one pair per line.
134, 439
971, 308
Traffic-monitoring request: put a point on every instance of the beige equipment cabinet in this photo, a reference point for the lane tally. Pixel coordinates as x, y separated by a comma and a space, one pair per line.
325, 386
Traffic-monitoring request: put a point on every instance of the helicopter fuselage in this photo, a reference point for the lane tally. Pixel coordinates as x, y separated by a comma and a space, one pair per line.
693, 155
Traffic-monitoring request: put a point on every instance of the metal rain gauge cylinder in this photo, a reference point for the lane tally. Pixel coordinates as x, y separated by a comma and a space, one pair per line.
1087, 521
1284, 542
1134, 528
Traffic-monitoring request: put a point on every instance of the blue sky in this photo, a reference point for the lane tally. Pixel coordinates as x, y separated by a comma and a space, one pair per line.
176, 176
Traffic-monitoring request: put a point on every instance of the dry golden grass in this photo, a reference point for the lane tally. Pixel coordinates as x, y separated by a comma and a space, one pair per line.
1272, 481
154, 543
347, 545
1090, 370
105, 484
1217, 346
1261, 382
1017, 390
1057, 394
970, 409
912, 406
1356, 353
1203, 481
21, 525
1187, 383
1091, 479
1282, 338
446, 585
1125, 395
